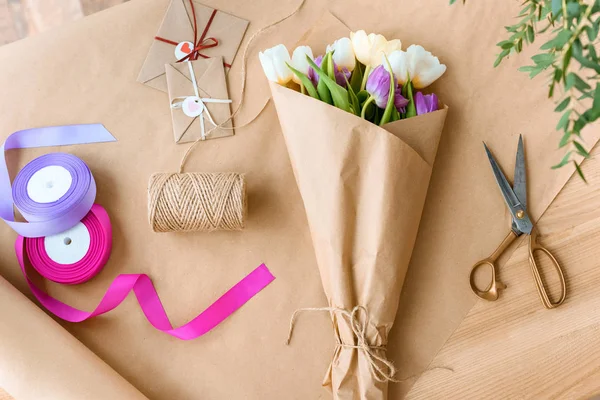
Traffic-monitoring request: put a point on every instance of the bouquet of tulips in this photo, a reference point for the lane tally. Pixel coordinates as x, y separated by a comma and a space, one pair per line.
362, 142
364, 74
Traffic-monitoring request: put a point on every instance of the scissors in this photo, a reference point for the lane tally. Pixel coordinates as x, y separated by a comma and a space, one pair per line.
515, 198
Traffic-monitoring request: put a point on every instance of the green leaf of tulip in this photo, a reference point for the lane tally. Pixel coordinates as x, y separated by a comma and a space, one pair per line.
357, 77
411, 110
339, 95
353, 98
322, 89
308, 85
328, 61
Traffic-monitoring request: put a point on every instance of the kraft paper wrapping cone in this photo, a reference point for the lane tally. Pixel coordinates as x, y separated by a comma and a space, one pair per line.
40, 360
363, 188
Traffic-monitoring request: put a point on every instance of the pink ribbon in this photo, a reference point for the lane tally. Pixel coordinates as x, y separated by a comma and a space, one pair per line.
145, 292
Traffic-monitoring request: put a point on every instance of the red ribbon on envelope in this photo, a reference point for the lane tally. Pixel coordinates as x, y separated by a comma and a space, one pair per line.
201, 43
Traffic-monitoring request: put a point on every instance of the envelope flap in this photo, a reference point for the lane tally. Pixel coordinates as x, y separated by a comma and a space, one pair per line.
175, 27
228, 29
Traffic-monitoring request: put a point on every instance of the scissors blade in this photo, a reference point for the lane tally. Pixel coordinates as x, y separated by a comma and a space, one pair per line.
520, 218
520, 181
509, 195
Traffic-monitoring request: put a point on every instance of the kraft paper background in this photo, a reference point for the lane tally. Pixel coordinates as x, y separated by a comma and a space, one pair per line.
86, 72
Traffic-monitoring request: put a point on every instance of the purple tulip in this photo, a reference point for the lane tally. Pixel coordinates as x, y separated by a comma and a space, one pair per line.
341, 74
425, 103
399, 101
378, 86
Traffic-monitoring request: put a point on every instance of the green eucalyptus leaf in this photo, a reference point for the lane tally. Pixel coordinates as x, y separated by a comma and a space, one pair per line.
585, 62
563, 104
530, 34
567, 58
579, 171
580, 149
544, 59
556, 8
565, 140
551, 89
573, 10
596, 104
558, 41
573, 80
338, 94
563, 123
565, 160
310, 88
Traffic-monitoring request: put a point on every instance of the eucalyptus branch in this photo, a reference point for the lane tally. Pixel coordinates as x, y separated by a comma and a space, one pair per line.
570, 52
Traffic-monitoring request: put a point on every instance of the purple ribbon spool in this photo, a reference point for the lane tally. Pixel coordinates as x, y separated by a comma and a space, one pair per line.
69, 209
45, 219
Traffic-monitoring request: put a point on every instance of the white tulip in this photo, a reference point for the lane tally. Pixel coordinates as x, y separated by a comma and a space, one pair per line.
274, 62
343, 53
416, 64
398, 61
300, 62
369, 49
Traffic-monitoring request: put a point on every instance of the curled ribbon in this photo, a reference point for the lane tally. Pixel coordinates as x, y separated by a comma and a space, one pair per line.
142, 287
194, 106
201, 43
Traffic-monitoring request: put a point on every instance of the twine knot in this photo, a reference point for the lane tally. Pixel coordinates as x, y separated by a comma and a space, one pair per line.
383, 370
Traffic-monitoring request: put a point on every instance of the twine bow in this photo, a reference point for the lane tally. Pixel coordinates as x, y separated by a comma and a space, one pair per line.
201, 109
382, 369
199, 44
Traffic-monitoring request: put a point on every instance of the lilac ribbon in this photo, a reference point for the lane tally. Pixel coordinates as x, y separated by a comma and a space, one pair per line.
51, 218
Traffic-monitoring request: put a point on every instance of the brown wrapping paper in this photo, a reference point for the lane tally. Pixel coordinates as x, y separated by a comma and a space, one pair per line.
363, 188
88, 75
178, 26
40, 360
210, 77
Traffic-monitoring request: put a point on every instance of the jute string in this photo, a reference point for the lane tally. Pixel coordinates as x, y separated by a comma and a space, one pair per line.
242, 87
196, 202
382, 369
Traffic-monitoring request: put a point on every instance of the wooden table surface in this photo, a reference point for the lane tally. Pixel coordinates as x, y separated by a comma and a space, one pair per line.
511, 348
514, 348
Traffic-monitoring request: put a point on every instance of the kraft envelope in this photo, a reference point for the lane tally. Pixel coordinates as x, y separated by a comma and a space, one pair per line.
178, 26
245, 358
210, 76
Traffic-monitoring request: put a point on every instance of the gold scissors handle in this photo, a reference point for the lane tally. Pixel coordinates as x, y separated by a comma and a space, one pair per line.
491, 292
535, 247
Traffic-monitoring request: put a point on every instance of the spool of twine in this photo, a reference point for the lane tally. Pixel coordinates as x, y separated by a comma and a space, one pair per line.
192, 201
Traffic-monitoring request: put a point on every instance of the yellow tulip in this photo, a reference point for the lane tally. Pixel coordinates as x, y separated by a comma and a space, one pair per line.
370, 48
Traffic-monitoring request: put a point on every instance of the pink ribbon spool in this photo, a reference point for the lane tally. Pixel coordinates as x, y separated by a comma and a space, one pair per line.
83, 269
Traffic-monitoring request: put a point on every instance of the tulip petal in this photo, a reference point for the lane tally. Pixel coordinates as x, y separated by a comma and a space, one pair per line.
299, 61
